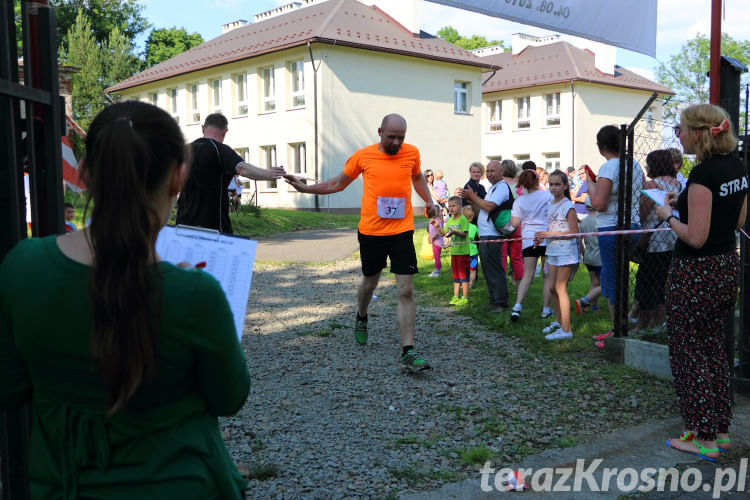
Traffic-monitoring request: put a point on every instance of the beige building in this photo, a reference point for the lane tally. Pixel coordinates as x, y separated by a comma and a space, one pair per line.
550, 98
307, 84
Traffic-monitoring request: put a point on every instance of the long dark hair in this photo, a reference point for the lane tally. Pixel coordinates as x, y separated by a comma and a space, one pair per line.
564, 177
131, 148
659, 164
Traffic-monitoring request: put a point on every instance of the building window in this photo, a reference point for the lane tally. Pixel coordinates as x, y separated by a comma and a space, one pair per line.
268, 90
650, 120
154, 97
194, 103
461, 97
552, 109
297, 83
268, 160
216, 96
172, 104
522, 112
495, 109
297, 158
551, 161
240, 86
522, 157
495, 157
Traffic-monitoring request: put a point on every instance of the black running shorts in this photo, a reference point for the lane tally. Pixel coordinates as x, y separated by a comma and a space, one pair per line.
399, 248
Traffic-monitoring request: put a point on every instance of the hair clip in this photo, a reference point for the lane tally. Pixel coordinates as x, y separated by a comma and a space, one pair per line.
125, 119
723, 127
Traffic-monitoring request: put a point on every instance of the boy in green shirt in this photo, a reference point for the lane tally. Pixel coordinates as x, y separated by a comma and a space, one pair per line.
468, 212
458, 231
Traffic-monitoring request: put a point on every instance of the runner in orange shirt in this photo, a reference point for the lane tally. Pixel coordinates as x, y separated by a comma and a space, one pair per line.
389, 169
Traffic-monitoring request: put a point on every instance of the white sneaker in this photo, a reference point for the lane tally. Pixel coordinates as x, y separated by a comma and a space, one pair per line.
547, 314
558, 335
552, 327
435, 273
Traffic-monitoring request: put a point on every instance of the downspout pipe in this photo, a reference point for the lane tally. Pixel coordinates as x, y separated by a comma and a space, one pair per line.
315, 120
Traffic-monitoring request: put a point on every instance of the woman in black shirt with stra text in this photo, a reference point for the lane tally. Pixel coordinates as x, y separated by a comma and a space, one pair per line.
704, 277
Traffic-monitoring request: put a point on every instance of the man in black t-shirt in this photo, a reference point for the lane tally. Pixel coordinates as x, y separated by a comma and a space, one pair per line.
204, 201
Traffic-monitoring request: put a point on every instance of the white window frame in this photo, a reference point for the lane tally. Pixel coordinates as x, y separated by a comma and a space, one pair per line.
267, 83
551, 161
552, 109
153, 98
523, 112
268, 160
216, 92
240, 86
298, 158
193, 95
495, 116
172, 103
296, 79
461, 97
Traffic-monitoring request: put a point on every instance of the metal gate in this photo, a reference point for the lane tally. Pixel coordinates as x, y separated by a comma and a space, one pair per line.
31, 124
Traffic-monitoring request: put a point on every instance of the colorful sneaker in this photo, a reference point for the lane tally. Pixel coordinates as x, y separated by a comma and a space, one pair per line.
559, 335
547, 314
582, 304
600, 338
600, 345
435, 273
515, 315
454, 301
463, 301
414, 361
360, 331
554, 326
596, 309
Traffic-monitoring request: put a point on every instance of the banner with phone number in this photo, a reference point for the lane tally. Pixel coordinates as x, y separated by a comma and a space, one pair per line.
629, 24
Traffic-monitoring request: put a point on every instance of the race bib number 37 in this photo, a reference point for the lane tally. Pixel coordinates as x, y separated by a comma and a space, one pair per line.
391, 208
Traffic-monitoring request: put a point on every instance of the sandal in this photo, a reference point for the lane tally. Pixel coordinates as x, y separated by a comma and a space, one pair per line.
688, 435
702, 450
727, 442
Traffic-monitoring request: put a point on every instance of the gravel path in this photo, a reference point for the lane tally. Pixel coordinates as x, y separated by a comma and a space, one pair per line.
327, 418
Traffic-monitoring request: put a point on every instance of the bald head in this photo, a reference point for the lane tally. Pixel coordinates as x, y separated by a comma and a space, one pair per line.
392, 132
494, 171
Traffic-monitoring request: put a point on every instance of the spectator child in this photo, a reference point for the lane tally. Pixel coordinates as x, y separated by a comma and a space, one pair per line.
590, 251
468, 212
70, 213
458, 232
441, 188
562, 253
436, 240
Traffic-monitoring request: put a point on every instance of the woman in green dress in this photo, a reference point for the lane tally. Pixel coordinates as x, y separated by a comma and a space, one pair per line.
126, 361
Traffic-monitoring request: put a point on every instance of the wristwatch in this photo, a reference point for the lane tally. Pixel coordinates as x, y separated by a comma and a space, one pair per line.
673, 216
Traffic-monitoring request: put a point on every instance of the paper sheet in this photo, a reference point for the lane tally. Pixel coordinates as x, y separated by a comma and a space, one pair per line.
658, 196
229, 259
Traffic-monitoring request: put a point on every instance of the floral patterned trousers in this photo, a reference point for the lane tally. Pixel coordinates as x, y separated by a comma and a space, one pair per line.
701, 292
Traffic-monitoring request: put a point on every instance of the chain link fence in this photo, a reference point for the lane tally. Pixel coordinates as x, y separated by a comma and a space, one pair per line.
657, 152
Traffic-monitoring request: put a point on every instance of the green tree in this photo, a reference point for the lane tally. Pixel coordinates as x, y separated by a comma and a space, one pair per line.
87, 85
451, 35
687, 71
118, 62
103, 15
165, 43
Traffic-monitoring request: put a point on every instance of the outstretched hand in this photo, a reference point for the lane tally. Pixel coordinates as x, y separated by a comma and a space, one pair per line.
276, 173
296, 182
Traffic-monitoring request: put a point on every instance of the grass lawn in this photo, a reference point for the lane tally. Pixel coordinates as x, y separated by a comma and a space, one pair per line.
271, 220
529, 329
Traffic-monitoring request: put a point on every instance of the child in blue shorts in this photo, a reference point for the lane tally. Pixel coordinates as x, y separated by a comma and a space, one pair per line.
468, 212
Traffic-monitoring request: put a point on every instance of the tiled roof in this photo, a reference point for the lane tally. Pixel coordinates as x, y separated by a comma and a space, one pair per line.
339, 22
557, 63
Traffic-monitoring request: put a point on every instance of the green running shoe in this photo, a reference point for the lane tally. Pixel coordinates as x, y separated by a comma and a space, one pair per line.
414, 361
453, 301
463, 301
360, 331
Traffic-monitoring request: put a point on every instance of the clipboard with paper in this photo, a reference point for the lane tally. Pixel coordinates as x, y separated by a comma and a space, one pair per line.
227, 258
659, 197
